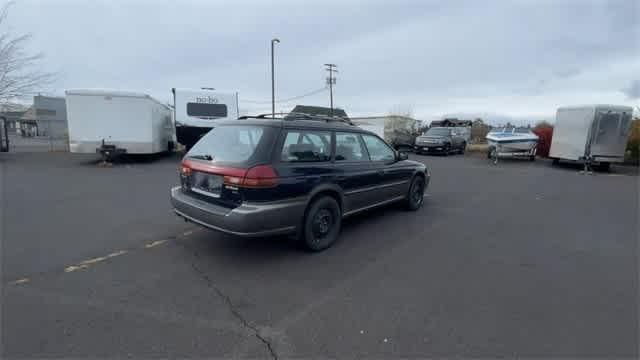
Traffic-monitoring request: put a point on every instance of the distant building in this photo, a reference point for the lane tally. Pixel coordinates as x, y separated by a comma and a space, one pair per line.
13, 119
47, 117
451, 122
319, 110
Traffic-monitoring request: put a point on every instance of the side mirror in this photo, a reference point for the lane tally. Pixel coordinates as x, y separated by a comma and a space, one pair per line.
402, 156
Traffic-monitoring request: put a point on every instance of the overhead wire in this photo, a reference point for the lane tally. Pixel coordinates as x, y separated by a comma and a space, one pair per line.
310, 93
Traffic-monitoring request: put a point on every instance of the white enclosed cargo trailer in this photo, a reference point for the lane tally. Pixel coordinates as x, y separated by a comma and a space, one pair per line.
112, 122
591, 134
197, 110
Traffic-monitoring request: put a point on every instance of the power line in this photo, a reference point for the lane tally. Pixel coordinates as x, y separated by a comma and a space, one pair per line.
314, 92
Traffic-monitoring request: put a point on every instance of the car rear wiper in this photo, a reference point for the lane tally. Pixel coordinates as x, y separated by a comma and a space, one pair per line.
202, 157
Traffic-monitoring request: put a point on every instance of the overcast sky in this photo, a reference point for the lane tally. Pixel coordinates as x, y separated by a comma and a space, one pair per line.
520, 59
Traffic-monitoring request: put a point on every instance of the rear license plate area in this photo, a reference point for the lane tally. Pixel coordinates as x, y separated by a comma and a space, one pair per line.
206, 184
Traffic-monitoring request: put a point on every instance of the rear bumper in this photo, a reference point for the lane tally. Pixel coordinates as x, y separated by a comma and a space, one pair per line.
609, 159
247, 220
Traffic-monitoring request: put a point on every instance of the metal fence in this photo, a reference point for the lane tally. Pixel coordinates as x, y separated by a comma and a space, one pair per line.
19, 143
39, 136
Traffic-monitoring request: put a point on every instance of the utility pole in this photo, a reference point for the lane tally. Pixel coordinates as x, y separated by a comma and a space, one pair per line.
273, 80
331, 68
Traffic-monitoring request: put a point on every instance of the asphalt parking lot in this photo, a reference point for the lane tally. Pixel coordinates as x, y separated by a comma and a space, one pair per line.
515, 260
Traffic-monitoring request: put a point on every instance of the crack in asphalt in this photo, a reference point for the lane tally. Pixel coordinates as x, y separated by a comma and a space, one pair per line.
234, 311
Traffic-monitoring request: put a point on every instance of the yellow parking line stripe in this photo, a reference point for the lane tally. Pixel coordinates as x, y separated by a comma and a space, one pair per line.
75, 268
85, 264
155, 243
93, 261
117, 253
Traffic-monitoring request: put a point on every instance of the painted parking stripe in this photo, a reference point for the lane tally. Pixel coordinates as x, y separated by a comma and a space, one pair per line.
86, 263
154, 243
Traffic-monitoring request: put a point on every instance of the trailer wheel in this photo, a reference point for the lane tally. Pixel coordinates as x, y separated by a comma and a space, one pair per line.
490, 152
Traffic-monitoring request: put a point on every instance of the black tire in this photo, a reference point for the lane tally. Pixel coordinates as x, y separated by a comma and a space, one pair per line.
555, 162
321, 224
490, 152
604, 167
532, 158
463, 148
415, 196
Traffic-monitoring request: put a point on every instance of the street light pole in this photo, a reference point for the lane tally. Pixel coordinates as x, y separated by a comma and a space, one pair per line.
273, 80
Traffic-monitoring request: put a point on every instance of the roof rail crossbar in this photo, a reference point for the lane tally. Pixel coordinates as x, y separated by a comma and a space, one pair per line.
298, 116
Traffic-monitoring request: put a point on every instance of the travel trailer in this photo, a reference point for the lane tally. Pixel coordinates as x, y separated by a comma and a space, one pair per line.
196, 111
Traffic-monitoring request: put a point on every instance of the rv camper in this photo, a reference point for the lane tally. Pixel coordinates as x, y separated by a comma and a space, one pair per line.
197, 110
113, 122
592, 134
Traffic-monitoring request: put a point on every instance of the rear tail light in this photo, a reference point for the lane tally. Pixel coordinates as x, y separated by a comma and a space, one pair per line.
261, 176
185, 170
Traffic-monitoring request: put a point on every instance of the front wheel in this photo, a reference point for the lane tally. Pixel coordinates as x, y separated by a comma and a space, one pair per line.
463, 148
321, 224
415, 197
447, 150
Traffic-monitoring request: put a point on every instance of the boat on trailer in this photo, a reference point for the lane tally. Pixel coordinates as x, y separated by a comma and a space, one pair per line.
512, 142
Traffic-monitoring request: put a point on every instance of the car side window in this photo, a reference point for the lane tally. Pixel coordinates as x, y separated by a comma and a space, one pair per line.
378, 150
306, 146
349, 147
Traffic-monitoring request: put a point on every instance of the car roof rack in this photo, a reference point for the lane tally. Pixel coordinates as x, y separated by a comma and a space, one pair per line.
291, 116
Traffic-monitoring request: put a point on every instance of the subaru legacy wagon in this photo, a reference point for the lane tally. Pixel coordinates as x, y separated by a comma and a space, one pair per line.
260, 176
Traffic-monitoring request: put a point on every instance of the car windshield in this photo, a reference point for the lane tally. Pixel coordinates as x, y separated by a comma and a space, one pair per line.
437, 132
236, 144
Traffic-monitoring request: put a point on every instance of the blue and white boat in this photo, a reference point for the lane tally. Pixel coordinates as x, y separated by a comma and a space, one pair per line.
512, 139
512, 142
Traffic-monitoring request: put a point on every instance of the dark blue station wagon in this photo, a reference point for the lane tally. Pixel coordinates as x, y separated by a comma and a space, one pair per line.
258, 177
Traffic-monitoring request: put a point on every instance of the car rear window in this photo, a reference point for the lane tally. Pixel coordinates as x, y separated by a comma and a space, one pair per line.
235, 145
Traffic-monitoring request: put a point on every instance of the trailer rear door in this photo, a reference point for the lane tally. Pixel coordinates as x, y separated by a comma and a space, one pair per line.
609, 134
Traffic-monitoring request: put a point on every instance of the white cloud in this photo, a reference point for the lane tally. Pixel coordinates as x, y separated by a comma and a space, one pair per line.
519, 58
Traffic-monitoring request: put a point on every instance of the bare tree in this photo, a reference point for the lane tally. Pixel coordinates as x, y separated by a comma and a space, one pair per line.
19, 72
402, 110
